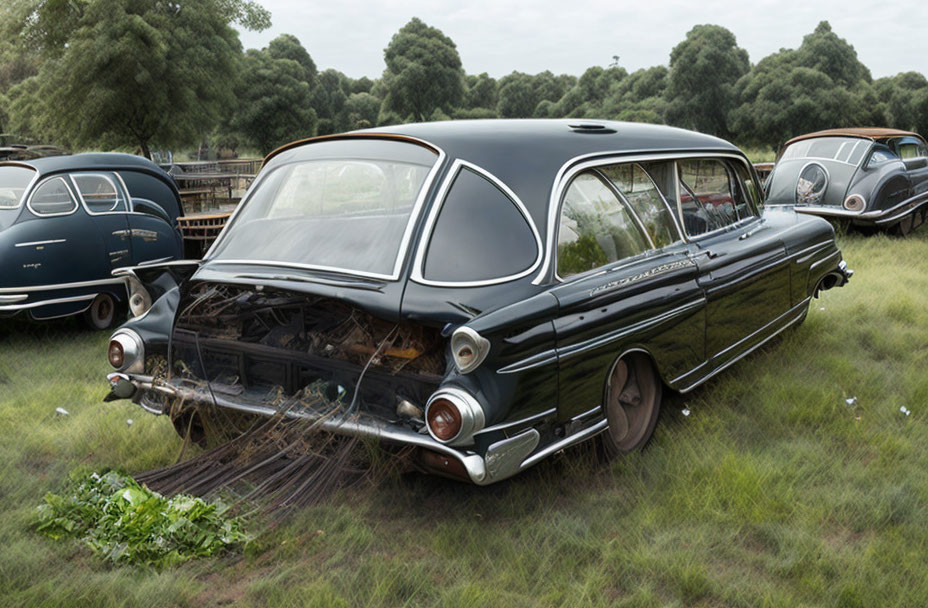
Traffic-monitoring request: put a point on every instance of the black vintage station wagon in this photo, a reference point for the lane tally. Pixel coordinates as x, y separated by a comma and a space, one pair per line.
488, 292
67, 221
867, 177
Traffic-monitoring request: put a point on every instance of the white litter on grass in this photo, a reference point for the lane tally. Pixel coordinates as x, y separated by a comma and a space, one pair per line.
852, 401
685, 411
61, 411
129, 421
905, 410
822, 308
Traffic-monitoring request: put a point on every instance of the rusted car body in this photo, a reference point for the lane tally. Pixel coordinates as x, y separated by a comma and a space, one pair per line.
487, 292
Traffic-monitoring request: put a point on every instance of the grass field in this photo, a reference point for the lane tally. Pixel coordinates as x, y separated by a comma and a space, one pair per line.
773, 492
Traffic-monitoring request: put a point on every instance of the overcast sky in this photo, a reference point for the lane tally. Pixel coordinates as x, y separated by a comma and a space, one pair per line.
568, 36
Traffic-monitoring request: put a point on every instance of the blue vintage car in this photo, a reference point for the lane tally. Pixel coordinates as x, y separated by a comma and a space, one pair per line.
67, 222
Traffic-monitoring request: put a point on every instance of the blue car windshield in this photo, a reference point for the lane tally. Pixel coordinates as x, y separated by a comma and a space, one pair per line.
14, 180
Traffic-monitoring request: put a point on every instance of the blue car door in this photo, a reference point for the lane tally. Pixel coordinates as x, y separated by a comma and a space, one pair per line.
105, 202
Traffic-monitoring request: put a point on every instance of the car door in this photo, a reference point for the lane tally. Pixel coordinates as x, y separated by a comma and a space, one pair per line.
104, 200
54, 242
628, 283
152, 222
741, 259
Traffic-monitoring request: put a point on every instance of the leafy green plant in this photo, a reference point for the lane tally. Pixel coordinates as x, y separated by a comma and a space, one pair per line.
129, 524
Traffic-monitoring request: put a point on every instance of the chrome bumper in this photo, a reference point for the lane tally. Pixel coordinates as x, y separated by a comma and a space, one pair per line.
503, 459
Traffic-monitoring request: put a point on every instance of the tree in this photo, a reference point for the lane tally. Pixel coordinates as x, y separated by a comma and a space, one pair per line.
423, 72
703, 71
361, 110
131, 72
517, 96
274, 95
287, 46
904, 98
482, 92
639, 97
820, 85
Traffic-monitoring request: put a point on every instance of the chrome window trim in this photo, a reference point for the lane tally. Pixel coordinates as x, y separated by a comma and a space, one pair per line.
863, 140
67, 187
625, 203
80, 195
739, 222
827, 183
404, 243
28, 191
52, 287
432, 217
580, 163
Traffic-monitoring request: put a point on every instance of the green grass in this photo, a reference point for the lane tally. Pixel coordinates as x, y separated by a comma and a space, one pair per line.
773, 492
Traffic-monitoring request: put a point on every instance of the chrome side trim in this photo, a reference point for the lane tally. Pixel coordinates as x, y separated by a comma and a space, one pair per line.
56, 286
568, 441
13, 298
540, 360
419, 261
615, 335
404, 244
37, 243
518, 423
30, 305
580, 163
797, 310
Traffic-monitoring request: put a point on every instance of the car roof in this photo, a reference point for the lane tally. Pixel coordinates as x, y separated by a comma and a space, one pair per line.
89, 162
527, 154
871, 133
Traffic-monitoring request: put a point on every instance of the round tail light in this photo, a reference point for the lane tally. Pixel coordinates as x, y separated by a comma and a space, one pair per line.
116, 354
444, 419
855, 202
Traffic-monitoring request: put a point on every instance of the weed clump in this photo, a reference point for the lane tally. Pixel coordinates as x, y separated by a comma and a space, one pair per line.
126, 523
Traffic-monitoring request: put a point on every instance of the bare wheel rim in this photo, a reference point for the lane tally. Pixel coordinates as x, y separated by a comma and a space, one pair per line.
631, 400
101, 311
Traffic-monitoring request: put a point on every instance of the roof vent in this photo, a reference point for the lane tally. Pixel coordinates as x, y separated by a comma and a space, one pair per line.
590, 127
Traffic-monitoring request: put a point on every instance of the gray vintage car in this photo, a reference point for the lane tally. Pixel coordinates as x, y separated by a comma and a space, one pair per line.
875, 178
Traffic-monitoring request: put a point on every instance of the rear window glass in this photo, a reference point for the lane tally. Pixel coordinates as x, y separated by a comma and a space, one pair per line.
13, 184
848, 150
344, 206
52, 198
480, 234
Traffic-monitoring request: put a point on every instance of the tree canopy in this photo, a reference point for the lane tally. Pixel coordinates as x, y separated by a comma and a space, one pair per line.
129, 72
133, 73
423, 72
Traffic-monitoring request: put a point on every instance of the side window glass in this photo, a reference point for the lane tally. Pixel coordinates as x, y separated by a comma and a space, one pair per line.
100, 193
709, 198
480, 234
908, 150
52, 198
879, 156
646, 201
595, 228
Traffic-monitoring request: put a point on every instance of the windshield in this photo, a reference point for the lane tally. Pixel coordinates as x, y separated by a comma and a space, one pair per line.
13, 183
345, 205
